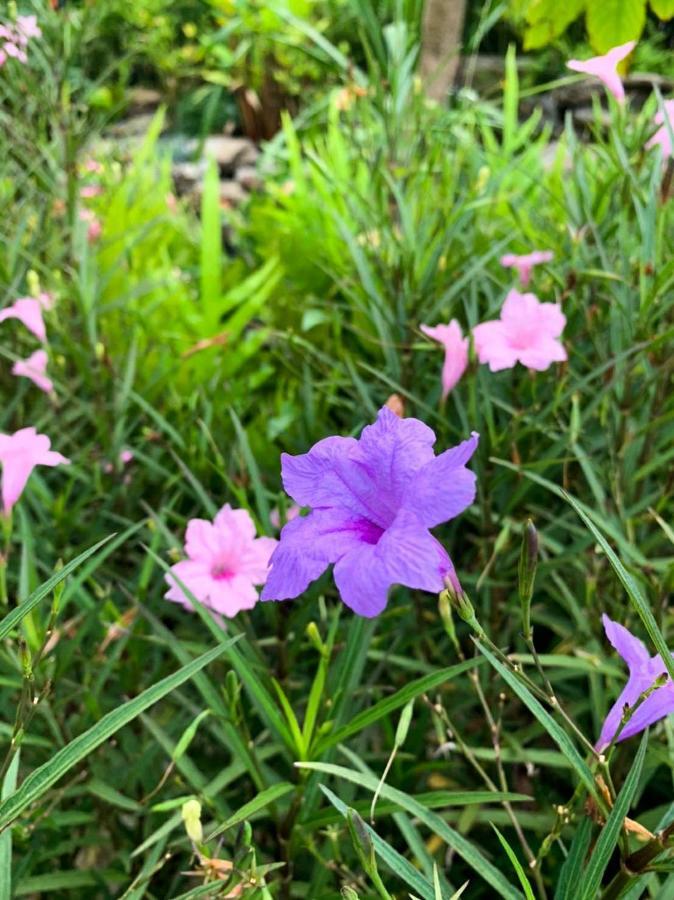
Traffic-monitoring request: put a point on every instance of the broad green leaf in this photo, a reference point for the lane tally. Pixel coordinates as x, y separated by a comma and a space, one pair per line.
395, 701
8, 788
548, 19
633, 592
12, 620
264, 798
663, 9
608, 838
558, 735
40, 780
517, 865
614, 22
468, 851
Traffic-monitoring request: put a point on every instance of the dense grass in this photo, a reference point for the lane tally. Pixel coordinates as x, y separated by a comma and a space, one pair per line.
374, 219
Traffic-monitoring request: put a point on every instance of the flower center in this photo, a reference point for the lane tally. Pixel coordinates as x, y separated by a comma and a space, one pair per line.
221, 571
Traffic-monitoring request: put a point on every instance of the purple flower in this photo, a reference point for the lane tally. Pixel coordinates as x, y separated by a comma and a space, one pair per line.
643, 671
373, 501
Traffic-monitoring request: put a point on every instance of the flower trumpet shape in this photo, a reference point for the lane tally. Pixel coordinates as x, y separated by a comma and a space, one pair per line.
35, 368
373, 501
605, 68
456, 352
525, 263
19, 454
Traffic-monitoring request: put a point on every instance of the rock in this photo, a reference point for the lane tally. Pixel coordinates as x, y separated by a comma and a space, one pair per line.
230, 152
231, 193
142, 100
188, 176
248, 177
133, 127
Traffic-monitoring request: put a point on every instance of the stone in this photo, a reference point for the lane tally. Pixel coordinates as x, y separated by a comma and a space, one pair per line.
231, 193
248, 177
142, 100
230, 152
187, 176
133, 127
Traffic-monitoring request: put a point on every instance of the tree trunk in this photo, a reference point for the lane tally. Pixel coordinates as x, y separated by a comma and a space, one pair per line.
442, 31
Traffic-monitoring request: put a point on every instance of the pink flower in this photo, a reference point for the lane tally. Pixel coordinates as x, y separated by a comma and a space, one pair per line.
527, 332
90, 190
125, 457
94, 228
224, 563
29, 311
456, 352
12, 49
525, 263
27, 28
292, 512
662, 137
19, 454
35, 368
92, 166
605, 68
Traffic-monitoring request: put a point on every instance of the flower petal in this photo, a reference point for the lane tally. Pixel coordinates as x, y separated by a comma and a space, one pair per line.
411, 556
443, 488
362, 581
492, 347
314, 478
631, 648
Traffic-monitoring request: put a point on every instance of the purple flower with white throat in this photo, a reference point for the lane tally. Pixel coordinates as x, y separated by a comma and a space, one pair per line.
644, 670
373, 501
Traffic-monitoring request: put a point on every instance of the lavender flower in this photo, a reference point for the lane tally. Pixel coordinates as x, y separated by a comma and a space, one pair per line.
644, 670
373, 501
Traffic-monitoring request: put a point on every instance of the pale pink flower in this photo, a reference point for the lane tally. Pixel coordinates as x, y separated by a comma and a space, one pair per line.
93, 166
456, 352
292, 512
14, 50
663, 136
528, 332
3, 57
525, 263
35, 368
605, 68
27, 28
126, 456
94, 227
29, 311
19, 454
90, 190
225, 561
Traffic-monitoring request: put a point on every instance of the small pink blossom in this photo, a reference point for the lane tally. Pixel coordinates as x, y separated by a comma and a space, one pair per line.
525, 263
93, 166
605, 68
29, 311
662, 137
90, 190
456, 352
528, 332
35, 368
94, 227
12, 49
292, 512
19, 454
27, 27
225, 561
125, 457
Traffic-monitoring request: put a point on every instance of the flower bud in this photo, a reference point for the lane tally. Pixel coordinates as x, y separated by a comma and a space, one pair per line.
527, 574
315, 639
191, 814
348, 893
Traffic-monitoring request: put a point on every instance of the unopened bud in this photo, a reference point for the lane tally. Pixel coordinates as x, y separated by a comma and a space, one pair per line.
315, 639
445, 610
33, 281
191, 814
527, 574
461, 604
348, 893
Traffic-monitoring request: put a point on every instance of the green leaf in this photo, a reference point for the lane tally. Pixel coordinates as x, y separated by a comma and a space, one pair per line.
396, 863
12, 620
613, 22
264, 798
40, 780
395, 701
606, 843
468, 851
517, 865
558, 735
633, 592
663, 9
211, 239
569, 877
548, 19
8, 788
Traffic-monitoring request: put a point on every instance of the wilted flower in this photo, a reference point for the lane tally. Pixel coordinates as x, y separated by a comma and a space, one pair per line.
605, 68
528, 332
19, 454
35, 368
373, 502
644, 671
456, 352
28, 310
525, 263
225, 560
